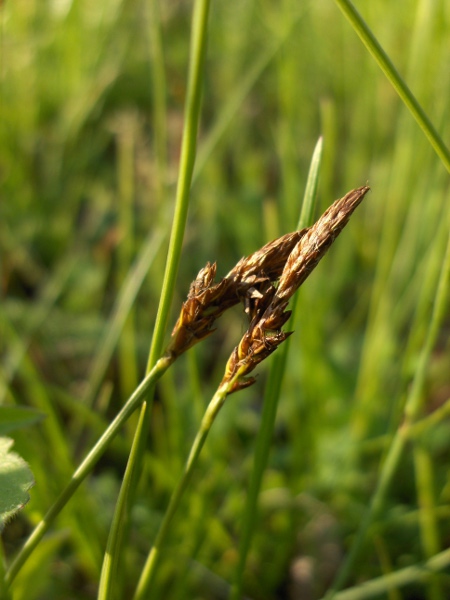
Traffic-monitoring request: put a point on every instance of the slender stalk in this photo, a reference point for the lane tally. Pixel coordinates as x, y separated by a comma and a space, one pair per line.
187, 161
4, 592
126, 142
120, 311
111, 559
159, 89
86, 466
376, 588
428, 518
271, 396
397, 82
143, 590
401, 437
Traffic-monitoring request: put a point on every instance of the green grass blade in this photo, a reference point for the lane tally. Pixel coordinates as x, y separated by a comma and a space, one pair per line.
309, 198
143, 590
397, 82
375, 588
411, 413
86, 467
271, 397
123, 304
108, 587
187, 161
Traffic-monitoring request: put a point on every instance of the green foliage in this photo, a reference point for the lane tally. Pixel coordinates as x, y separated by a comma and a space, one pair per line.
12, 417
92, 112
16, 479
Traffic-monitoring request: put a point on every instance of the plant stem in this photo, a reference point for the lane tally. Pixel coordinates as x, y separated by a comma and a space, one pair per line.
376, 588
271, 396
401, 437
144, 586
86, 466
187, 161
397, 82
111, 558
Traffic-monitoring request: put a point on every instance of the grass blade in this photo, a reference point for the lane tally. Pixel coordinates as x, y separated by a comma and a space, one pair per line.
411, 413
271, 396
187, 161
86, 467
397, 82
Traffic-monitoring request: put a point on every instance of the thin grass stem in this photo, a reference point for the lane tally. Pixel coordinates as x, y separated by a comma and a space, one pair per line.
86, 467
108, 579
147, 576
410, 575
411, 413
397, 82
187, 161
428, 518
271, 397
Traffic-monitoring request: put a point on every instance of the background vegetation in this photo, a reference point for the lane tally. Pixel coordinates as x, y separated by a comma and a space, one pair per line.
92, 98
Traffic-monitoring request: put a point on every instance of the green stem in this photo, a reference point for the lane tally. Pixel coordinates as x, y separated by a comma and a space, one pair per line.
187, 161
4, 593
401, 437
428, 516
394, 77
86, 466
143, 590
271, 396
377, 588
159, 94
110, 570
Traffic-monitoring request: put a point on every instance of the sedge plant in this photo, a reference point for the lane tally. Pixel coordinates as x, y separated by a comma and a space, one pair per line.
263, 293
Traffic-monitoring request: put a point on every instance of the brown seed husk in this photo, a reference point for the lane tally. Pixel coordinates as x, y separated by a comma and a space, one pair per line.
264, 334
290, 258
248, 281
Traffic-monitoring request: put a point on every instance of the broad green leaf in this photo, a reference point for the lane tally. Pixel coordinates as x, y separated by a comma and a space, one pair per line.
15, 481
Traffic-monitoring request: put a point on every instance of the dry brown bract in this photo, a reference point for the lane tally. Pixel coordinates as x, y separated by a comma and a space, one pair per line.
247, 281
290, 258
264, 334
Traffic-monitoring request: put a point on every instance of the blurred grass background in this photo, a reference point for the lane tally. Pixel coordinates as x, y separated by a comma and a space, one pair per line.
92, 98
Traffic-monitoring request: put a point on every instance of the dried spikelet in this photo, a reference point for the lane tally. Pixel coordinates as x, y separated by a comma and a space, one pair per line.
257, 343
292, 256
199, 312
268, 260
264, 334
314, 244
248, 281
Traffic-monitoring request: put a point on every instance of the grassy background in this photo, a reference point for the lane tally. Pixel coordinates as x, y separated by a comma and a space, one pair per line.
92, 100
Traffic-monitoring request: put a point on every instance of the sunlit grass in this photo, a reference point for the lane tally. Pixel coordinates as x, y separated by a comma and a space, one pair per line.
92, 101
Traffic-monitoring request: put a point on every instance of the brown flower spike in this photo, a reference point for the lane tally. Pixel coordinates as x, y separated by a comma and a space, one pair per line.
264, 334
207, 300
289, 259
